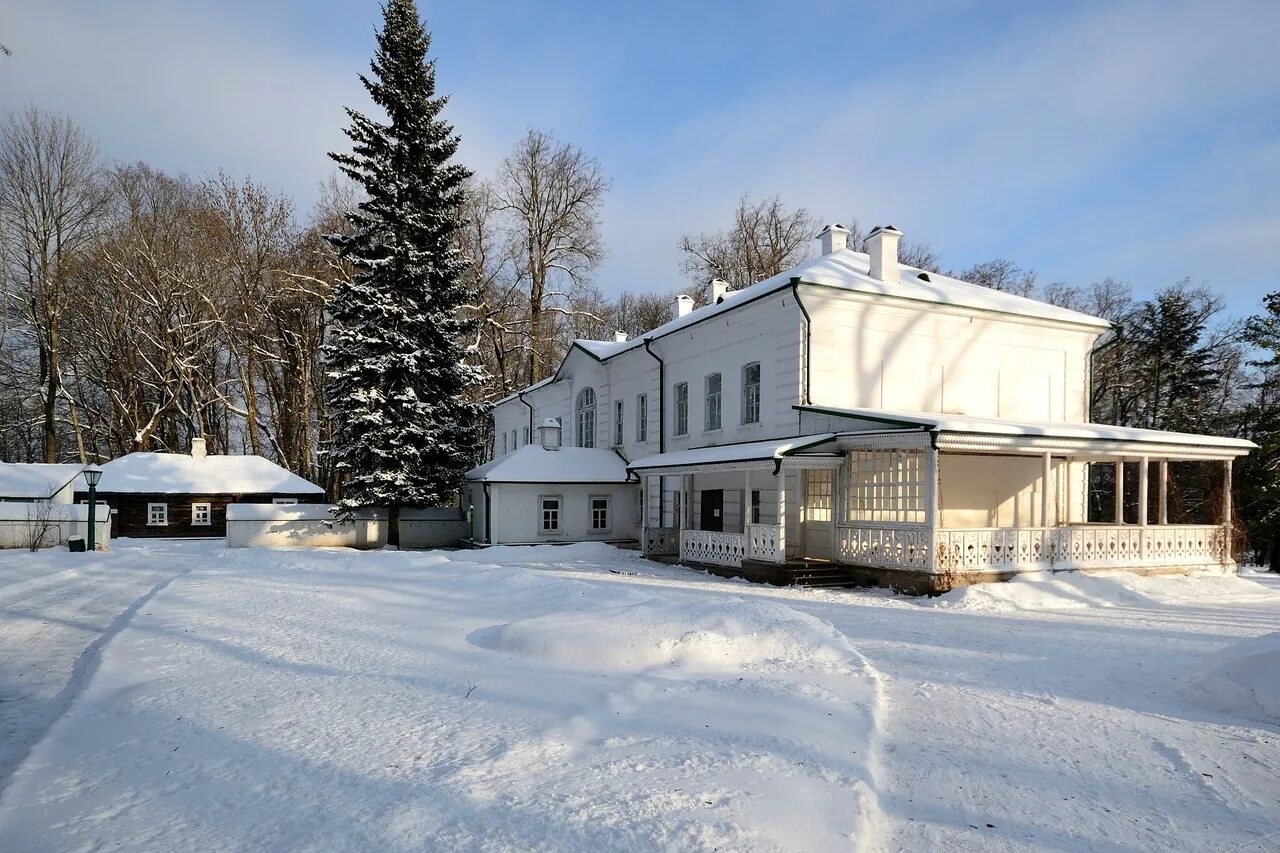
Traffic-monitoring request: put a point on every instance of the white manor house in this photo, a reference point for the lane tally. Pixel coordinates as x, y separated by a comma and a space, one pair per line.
852, 419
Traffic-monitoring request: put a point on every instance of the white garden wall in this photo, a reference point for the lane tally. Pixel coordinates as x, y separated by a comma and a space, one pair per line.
23, 523
302, 526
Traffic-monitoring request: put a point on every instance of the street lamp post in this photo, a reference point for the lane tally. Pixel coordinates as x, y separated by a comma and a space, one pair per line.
92, 475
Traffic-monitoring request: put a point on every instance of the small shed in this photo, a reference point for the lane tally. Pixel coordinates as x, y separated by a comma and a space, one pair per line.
186, 495
545, 493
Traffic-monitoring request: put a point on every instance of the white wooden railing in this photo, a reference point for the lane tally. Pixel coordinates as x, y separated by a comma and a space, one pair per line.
764, 543
1003, 549
718, 549
661, 541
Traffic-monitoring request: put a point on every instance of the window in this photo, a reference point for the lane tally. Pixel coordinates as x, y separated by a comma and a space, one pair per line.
504, 444
712, 420
201, 515
549, 509
526, 435
157, 515
818, 493
284, 501
599, 514
886, 485
515, 436
682, 408
751, 393
617, 424
642, 417
755, 506
677, 519
585, 410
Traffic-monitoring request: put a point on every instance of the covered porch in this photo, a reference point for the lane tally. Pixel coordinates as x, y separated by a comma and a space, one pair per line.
940, 501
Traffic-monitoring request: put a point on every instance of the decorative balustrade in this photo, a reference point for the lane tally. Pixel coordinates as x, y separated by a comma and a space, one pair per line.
764, 543
718, 549
1007, 549
661, 541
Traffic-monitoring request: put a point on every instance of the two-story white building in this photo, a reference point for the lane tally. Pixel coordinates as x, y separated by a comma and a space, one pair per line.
850, 420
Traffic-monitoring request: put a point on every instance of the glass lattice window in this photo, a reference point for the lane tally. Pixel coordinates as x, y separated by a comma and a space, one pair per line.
642, 417
751, 393
713, 417
886, 486
585, 410
682, 408
549, 508
599, 513
818, 492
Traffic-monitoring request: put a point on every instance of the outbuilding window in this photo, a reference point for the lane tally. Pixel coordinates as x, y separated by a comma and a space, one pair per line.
751, 393
585, 411
549, 510
201, 515
157, 515
713, 417
599, 514
682, 408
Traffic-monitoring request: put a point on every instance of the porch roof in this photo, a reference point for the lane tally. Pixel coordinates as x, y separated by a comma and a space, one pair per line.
756, 454
964, 432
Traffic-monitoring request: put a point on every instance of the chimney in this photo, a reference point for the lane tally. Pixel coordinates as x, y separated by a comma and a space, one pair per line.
549, 434
198, 448
882, 245
834, 238
680, 306
619, 336
716, 289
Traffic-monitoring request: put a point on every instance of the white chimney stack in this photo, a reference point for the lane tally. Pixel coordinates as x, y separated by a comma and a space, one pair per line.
882, 245
680, 306
834, 238
619, 336
198, 448
716, 289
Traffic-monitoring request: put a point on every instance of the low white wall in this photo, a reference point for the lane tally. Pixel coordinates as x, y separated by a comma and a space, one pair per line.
53, 524
303, 526
432, 527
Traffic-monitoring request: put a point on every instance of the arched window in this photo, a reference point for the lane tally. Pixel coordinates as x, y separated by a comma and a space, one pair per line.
585, 412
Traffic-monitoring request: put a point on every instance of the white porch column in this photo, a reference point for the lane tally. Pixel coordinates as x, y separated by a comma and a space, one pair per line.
1046, 473
931, 488
1164, 492
781, 477
1120, 492
686, 501
1226, 511
746, 499
1143, 494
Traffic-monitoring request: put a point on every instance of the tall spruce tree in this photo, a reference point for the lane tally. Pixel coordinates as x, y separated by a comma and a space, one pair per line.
404, 427
1176, 366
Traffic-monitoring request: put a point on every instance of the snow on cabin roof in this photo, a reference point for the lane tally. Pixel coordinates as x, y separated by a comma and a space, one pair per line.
940, 422
752, 451
34, 481
180, 473
535, 464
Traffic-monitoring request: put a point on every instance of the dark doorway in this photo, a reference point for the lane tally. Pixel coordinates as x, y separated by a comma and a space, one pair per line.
713, 510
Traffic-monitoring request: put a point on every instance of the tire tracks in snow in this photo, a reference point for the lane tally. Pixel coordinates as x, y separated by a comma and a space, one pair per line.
83, 669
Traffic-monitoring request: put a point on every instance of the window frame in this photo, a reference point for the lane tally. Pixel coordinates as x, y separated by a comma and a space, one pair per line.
642, 418
753, 506
504, 443
525, 431
543, 530
608, 513
584, 415
680, 409
164, 514
284, 501
713, 403
619, 419
208, 514
884, 487
751, 395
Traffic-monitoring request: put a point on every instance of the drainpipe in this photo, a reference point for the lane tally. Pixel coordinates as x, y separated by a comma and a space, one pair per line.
662, 417
808, 336
520, 396
488, 515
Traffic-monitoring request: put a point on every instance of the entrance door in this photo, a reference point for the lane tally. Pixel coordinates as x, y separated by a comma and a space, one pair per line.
713, 510
818, 529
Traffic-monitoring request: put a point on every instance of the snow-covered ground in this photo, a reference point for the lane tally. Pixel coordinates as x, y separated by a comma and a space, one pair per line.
175, 695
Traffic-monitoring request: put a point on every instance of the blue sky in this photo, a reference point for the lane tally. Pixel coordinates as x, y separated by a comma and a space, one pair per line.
1140, 141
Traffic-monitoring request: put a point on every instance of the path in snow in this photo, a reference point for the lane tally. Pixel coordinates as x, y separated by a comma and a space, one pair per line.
57, 612
532, 699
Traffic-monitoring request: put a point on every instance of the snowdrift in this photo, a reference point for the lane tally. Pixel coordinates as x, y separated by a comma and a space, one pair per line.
1242, 679
1073, 590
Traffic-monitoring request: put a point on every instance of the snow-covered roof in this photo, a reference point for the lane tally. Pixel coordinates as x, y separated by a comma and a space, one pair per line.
752, 451
35, 481
180, 473
966, 424
535, 464
526, 390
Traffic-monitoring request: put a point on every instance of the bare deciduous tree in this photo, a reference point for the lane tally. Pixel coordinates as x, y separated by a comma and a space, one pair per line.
765, 239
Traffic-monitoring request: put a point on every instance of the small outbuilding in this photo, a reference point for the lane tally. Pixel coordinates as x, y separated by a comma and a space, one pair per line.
545, 493
26, 482
186, 495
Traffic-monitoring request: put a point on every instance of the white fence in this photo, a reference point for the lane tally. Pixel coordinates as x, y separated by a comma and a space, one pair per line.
717, 549
42, 524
